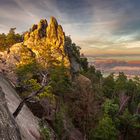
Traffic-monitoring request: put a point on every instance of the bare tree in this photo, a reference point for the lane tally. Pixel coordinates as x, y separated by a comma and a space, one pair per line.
33, 94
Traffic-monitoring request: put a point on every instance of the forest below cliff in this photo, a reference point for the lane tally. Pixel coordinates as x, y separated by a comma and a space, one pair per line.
64, 92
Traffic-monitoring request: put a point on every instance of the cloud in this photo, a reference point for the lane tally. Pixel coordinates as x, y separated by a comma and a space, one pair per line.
100, 26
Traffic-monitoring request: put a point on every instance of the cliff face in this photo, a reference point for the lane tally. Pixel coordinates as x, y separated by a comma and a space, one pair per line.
43, 42
8, 127
25, 126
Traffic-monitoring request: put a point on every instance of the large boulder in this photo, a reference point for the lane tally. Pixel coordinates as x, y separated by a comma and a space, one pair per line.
9, 129
27, 122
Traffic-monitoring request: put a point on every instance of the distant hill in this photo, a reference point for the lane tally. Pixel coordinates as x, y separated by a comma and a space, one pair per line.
130, 67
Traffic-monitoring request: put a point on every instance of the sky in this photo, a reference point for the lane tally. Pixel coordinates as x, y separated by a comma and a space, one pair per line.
99, 27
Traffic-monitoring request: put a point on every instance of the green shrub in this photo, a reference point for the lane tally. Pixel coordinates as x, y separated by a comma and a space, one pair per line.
59, 124
106, 130
45, 132
60, 80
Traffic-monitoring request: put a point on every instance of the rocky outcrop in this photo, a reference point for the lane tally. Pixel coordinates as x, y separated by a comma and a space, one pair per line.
28, 124
75, 65
3, 62
46, 42
8, 127
72, 55
84, 83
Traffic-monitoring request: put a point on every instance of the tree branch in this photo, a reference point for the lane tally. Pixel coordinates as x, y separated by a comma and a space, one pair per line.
15, 114
43, 83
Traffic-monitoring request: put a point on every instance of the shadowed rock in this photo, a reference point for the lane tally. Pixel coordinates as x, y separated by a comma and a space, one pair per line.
8, 127
28, 124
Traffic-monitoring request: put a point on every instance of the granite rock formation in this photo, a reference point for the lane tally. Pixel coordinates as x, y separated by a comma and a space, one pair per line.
27, 123
42, 40
9, 129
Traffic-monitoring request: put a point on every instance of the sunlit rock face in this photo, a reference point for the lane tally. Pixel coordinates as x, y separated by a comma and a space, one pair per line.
20, 54
44, 43
48, 41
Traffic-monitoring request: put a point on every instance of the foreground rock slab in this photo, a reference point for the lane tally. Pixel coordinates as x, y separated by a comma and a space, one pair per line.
8, 127
27, 122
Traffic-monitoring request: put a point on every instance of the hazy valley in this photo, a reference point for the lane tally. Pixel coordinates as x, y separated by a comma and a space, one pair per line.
130, 65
